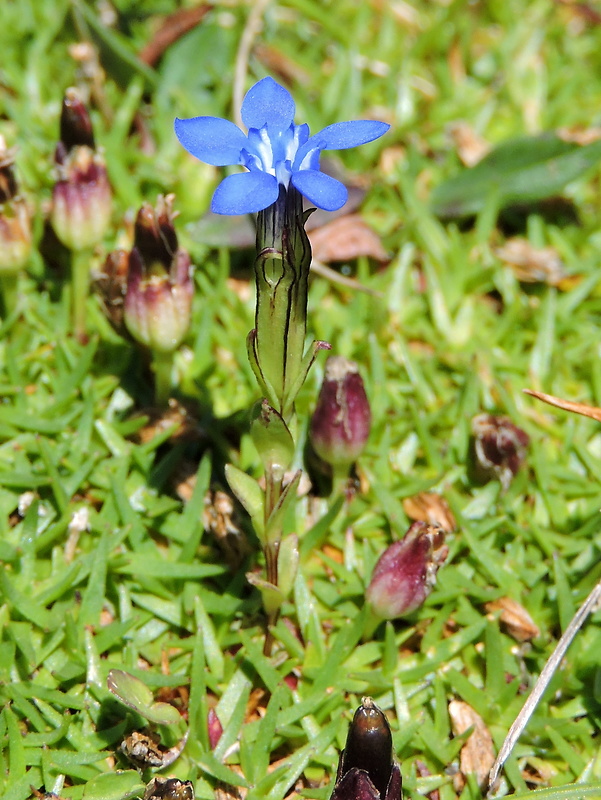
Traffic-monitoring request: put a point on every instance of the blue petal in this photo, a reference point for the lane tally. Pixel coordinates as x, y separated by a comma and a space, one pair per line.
268, 103
245, 193
211, 139
320, 189
349, 134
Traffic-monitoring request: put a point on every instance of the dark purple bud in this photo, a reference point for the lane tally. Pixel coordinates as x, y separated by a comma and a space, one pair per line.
81, 199
158, 301
406, 571
154, 233
342, 418
499, 447
15, 223
75, 125
367, 770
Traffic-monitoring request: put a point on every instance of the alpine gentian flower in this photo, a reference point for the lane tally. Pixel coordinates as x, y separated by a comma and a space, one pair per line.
367, 770
275, 151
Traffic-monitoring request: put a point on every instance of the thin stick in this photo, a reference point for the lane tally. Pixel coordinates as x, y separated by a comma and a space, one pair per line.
319, 268
543, 681
249, 34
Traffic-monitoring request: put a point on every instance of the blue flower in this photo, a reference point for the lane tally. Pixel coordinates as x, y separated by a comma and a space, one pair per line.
275, 151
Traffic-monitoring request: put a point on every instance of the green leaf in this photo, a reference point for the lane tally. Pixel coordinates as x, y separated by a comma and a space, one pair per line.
135, 694
273, 529
578, 791
271, 595
522, 170
248, 492
117, 55
288, 559
114, 786
272, 439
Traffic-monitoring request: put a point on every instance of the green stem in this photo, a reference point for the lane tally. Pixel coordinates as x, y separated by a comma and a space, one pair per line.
162, 366
80, 286
10, 294
271, 565
340, 478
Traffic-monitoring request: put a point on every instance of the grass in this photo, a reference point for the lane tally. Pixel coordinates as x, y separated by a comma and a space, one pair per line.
143, 587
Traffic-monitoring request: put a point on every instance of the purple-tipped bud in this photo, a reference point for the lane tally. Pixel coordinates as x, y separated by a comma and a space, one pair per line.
499, 446
15, 224
367, 770
215, 728
75, 125
342, 418
158, 301
81, 199
406, 571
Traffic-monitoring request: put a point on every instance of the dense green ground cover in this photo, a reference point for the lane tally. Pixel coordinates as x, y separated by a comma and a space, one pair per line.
447, 333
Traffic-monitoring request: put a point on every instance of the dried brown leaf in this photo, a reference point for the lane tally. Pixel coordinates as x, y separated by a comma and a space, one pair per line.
471, 148
176, 416
172, 28
567, 405
578, 135
432, 508
532, 264
281, 64
345, 239
477, 754
517, 621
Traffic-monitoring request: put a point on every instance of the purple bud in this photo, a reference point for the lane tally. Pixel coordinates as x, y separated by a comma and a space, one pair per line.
215, 728
367, 770
499, 447
75, 125
81, 199
158, 301
341, 421
406, 571
15, 224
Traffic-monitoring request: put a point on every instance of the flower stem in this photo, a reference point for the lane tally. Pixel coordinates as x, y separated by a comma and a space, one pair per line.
273, 491
10, 294
162, 366
340, 479
80, 286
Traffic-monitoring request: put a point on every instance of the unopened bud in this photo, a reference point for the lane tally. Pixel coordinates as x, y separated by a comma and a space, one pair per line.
342, 418
158, 302
367, 770
406, 571
499, 447
215, 728
81, 199
15, 224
